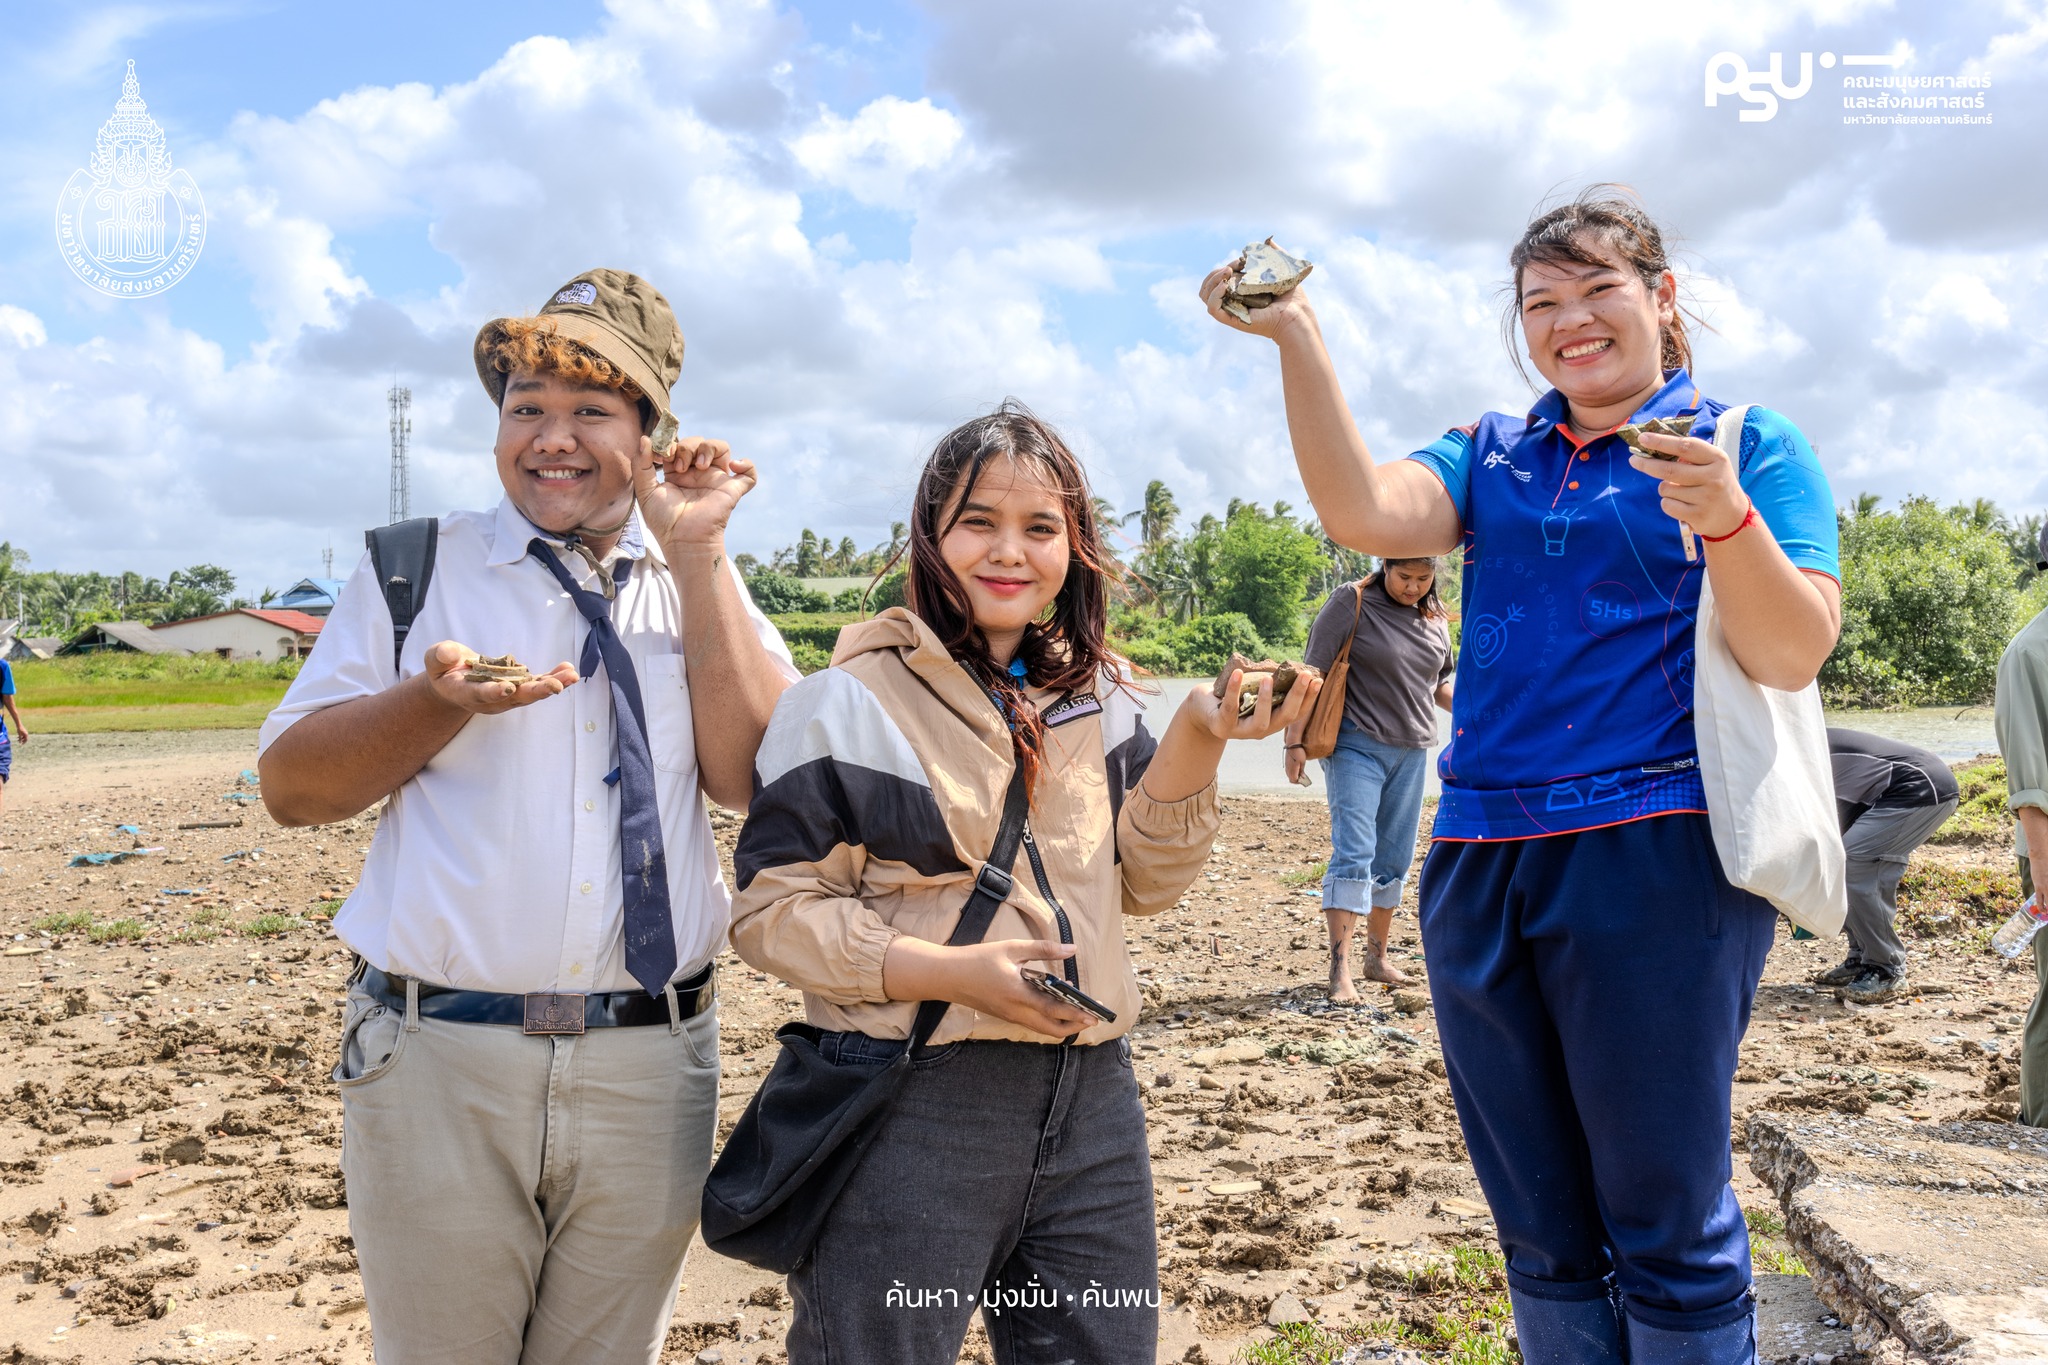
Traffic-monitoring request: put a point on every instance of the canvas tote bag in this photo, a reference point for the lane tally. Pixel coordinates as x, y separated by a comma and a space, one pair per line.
1326, 713
1764, 759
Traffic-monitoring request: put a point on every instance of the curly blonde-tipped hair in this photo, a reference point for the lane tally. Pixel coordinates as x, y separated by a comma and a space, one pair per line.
532, 346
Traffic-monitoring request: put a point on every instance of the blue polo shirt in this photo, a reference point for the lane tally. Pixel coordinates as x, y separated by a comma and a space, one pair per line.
1573, 708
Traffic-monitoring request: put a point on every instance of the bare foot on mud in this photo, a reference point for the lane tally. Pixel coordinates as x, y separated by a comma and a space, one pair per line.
1377, 968
1342, 992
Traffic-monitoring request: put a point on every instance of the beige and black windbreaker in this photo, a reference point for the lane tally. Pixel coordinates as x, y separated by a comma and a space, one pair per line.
879, 789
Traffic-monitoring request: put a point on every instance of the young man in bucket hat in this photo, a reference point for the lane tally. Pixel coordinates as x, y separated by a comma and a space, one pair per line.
529, 1057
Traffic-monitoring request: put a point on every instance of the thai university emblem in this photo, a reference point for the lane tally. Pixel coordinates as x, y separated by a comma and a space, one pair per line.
129, 225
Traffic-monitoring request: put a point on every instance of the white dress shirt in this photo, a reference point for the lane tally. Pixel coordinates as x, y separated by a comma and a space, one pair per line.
496, 868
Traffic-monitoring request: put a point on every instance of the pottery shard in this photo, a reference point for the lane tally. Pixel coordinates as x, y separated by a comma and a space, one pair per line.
1268, 272
1283, 674
1657, 426
501, 668
1930, 1232
1229, 1054
1286, 1309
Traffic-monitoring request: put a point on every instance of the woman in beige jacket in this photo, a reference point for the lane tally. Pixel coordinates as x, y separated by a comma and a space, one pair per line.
1011, 1174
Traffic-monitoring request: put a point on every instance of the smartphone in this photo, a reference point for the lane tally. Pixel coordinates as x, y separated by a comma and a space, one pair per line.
1059, 988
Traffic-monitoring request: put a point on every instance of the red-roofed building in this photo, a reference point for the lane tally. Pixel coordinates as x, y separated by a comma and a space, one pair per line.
245, 633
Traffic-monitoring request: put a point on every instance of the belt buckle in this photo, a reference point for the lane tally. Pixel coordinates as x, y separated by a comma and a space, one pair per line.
548, 1014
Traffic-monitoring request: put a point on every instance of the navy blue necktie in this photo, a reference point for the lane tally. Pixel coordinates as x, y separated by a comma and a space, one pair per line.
650, 932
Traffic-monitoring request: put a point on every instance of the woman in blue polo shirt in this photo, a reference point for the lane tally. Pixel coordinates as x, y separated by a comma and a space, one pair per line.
1591, 967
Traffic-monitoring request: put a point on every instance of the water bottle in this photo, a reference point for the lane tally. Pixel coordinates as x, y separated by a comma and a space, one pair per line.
2016, 933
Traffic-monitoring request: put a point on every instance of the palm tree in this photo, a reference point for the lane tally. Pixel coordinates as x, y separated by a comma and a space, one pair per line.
1156, 517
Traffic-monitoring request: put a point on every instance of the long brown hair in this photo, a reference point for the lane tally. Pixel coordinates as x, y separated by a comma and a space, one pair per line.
1603, 216
1066, 650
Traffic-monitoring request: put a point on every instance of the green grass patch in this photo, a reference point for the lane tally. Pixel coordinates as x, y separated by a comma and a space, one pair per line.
1936, 901
94, 720
270, 926
327, 909
120, 930
65, 922
818, 629
1981, 815
117, 667
82, 696
1467, 1327
1769, 1252
1312, 875
116, 691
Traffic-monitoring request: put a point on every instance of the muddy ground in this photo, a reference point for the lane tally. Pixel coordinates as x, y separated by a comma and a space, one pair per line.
169, 1135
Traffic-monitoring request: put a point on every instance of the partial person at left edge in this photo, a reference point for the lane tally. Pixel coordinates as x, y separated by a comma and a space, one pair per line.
20, 730
529, 1055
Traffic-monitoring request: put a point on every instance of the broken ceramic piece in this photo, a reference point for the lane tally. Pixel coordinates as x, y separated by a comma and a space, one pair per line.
1284, 674
1266, 272
1656, 426
502, 668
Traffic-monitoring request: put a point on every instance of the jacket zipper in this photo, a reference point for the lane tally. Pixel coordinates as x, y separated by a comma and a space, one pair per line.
1059, 913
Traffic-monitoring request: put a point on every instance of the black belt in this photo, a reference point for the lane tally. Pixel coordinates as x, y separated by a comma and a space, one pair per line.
546, 1012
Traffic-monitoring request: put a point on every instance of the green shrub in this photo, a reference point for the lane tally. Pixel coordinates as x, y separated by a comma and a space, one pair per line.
1263, 567
818, 629
1206, 643
1929, 601
809, 658
1151, 653
848, 600
889, 592
778, 594
65, 922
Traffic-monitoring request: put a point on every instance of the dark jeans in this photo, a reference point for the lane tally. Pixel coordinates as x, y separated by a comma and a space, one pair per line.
1592, 990
1009, 1177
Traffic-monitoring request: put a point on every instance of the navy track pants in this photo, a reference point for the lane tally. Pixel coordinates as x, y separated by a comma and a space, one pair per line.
1591, 991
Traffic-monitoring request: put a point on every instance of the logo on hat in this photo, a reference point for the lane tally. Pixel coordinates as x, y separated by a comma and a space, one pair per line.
127, 224
583, 291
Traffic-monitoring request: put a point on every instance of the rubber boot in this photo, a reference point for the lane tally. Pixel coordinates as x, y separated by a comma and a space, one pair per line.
1730, 1343
1576, 1331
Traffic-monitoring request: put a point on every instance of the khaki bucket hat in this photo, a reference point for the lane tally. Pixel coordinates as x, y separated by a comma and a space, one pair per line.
619, 316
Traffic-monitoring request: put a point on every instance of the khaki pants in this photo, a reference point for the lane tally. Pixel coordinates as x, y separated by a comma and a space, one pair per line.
522, 1200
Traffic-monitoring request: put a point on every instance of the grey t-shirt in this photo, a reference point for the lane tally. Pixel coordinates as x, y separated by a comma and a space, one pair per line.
1398, 659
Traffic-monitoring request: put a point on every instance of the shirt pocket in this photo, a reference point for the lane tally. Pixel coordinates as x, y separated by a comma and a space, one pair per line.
665, 699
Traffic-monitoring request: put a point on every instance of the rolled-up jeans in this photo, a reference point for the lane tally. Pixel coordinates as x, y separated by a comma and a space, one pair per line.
1375, 793
1008, 1178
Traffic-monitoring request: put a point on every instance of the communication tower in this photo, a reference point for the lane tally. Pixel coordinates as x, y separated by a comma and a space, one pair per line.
401, 438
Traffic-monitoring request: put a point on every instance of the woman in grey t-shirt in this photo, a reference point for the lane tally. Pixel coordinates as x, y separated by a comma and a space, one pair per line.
1401, 662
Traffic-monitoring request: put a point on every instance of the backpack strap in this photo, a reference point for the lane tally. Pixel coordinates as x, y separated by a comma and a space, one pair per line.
402, 558
991, 888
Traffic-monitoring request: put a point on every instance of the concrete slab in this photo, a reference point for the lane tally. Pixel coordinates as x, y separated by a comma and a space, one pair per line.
1936, 1234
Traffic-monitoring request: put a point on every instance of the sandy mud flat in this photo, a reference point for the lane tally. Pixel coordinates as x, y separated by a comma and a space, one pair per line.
169, 1136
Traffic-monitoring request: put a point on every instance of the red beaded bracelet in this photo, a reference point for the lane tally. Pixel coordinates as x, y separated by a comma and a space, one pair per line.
1747, 518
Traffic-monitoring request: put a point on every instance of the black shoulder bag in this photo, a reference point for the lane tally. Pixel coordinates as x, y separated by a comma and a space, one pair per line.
402, 558
811, 1121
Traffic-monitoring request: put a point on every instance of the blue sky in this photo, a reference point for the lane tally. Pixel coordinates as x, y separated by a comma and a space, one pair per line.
876, 219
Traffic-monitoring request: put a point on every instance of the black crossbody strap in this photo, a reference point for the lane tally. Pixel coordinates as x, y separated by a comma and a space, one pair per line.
991, 888
402, 557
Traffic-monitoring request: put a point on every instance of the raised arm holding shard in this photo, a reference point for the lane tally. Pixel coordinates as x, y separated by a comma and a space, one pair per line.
1591, 966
